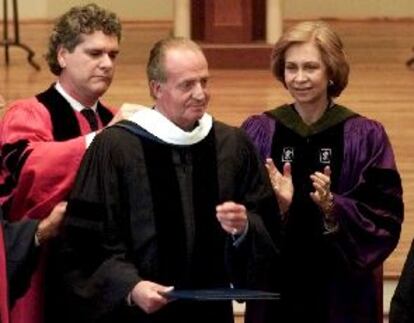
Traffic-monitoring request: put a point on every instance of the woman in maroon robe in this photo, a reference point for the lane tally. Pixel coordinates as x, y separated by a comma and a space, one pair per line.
335, 178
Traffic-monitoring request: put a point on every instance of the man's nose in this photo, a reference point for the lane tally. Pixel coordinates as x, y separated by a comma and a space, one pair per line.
106, 61
199, 92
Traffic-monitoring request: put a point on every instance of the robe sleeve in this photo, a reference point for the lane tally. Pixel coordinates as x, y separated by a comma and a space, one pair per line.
258, 256
402, 302
42, 170
260, 129
368, 204
21, 253
97, 271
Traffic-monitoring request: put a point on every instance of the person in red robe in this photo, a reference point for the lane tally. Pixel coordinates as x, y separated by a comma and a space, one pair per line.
43, 138
19, 251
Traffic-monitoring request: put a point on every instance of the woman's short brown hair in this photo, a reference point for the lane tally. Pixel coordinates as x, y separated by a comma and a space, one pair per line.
329, 45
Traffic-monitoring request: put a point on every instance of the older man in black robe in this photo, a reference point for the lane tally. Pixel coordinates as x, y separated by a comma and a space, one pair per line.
169, 199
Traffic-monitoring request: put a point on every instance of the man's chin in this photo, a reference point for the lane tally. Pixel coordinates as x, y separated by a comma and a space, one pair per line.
191, 120
100, 89
197, 116
198, 111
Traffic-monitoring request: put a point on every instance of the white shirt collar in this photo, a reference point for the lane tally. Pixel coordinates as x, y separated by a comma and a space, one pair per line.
76, 105
158, 125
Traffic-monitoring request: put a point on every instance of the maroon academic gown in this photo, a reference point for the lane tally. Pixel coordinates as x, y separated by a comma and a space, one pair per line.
330, 275
42, 144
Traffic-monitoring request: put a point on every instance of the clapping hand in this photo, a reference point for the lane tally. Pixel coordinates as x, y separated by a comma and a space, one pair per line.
322, 195
282, 184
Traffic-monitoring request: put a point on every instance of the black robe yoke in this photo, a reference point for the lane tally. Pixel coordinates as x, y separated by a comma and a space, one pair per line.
134, 214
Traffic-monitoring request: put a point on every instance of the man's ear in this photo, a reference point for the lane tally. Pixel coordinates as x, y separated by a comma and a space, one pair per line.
156, 88
61, 56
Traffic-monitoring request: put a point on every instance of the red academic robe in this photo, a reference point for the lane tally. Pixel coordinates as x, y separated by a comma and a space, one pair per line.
43, 142
4, 311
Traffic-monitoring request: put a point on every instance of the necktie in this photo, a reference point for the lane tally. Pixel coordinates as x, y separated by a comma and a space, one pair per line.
90, 115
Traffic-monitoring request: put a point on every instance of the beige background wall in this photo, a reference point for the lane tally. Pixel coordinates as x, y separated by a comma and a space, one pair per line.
150, 10
127, 9
348, 9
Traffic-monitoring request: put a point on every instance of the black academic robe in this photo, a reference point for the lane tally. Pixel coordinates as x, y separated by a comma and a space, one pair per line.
17, 258
402, 303
145, 210
21, 255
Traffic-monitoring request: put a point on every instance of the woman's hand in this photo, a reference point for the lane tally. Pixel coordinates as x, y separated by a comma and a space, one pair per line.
322, 195
282, 184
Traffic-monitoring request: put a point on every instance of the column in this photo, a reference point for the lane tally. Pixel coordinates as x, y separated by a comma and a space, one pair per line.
274, 20
182, 18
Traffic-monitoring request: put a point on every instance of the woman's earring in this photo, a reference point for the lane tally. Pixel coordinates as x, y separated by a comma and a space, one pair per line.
330, 83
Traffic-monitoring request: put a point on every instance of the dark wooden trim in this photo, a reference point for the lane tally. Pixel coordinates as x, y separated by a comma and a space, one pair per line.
238, 56
259, 20
228, 21
198, 19
246, 23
